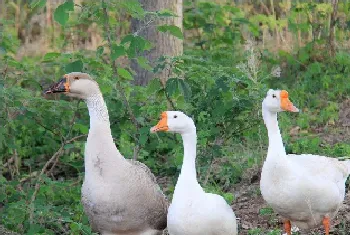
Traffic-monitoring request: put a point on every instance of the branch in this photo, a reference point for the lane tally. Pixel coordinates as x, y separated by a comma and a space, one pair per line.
333, 22
114, 67
4, 73
169, 99
171, 102
136, 151
53, 159
73, 119
75, 138
33, 174
56, 155
148, 24
56, 160
46, 128
265, 7
118, 85
37, 184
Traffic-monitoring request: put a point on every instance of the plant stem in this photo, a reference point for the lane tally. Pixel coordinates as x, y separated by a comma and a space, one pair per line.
119, 87
332, 28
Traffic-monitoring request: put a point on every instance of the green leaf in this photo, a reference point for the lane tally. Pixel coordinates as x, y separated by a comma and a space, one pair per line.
74, 226
229, 197
30, 83
154, 85
2, 197
82, 128
127, 38
185, 88
18, 215
134, 8
117, 51
76, 66
105, 88
144, 133
37, 3
175, 84
124, 73
35, 229
172, 29
61, 14
136, 44
99, 51
266, 211
14, 63
142, 61
220, 83
172, 85
50, 56
303, 56
69, 146
166, 13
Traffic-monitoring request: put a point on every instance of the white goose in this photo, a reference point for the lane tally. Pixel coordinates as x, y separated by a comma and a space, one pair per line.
119, 196
306, 190
192, 211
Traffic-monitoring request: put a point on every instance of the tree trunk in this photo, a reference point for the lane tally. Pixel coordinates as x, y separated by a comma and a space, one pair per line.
332, 28
164, 43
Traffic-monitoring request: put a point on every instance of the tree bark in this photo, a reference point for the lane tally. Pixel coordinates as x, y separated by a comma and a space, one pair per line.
164, 43
332, 28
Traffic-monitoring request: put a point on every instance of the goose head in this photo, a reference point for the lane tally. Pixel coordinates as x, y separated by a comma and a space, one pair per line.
76, 84
176, 122
278, 101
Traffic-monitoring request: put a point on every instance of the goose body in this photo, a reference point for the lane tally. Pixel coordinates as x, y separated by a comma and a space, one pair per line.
306, 190
193, 211
119, 196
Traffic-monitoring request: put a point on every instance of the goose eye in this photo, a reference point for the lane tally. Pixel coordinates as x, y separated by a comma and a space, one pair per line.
274, 96
76, 78
175, 116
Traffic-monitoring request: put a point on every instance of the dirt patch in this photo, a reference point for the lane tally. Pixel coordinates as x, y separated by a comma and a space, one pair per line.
253, 213
339, 131
4, 231
344, 113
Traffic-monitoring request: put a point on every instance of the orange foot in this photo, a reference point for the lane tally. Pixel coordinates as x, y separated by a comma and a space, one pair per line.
326, 224
287, 227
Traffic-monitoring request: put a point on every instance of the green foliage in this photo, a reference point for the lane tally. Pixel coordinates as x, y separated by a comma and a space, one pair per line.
37, 3
172, 29
266, 211
219, 80
61, 14
261, 232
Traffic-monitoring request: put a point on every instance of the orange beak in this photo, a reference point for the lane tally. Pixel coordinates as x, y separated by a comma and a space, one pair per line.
162, 124
286, 104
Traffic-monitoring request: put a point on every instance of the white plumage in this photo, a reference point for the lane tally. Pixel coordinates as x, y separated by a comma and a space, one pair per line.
192, 211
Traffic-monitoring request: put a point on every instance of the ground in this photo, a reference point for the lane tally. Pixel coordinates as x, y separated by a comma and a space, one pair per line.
4, 231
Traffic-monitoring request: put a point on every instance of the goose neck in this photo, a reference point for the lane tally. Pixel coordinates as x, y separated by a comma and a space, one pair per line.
188, 169
274, 133
98, 111
101, 154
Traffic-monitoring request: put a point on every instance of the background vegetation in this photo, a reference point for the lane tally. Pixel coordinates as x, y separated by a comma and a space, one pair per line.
233, 52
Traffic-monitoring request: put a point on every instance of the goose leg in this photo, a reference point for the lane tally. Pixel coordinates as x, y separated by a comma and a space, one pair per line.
326, 224
287, 227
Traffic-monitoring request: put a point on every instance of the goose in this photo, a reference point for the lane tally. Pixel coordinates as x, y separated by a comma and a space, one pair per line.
306, 190
119, 196
192, 211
